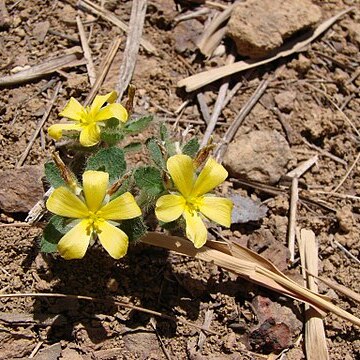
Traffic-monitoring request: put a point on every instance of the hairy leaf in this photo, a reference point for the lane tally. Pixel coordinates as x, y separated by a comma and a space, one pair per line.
110, 160
53, 175
148, 178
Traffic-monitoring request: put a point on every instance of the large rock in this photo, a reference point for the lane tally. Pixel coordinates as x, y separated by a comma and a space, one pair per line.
20, 189
259, 156
260, 26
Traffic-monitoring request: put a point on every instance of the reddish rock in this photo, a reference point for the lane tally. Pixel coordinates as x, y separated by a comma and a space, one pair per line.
278, 326
270, 337
20, 189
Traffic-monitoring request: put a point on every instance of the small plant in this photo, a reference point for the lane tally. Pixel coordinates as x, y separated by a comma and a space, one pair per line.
113, 202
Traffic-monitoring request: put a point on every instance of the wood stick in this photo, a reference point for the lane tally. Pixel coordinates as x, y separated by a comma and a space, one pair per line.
347, 252
218, 104
45, 68
104, 68
87, 52
324, 152
136, 25
294, 197
107, 15
303, 167
315, 339
204, 109
208, 40
74, 39
41, 124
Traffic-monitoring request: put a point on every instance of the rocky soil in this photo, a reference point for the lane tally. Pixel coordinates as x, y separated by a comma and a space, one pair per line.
310, 107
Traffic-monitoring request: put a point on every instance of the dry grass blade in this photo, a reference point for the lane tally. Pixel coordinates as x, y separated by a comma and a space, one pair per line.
347, 174
218, 105
195, 82
340, 288
136, 26
47, 67
213, 34
39, 127
104, 68
98, 10
87, 52
315, 339
250, 265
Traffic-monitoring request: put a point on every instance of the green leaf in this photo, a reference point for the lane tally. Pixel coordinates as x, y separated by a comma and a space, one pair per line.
135, 146
138, 125
164, 134
53, 175
53, 232
112, 123
134, 228
156, 153
110, 160
168, 143
191, 147
111, 135
149, 179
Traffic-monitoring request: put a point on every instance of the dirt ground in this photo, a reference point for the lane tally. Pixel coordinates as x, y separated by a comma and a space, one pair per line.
50, 328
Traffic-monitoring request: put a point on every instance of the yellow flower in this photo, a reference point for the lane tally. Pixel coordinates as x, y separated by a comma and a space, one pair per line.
88, 120
192, 197
93, 211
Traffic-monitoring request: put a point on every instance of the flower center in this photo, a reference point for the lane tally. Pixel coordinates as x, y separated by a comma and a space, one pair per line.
94, 221
86, 117
192, 204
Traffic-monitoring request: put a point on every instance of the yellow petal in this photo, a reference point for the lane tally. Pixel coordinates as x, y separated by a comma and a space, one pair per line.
112, 111
74, 243
65, 203
122, 208
182, 172
55, 131
195, 229
216, 209
90, 135
170, 207
100, 100
73, 110
211, 176
95, 184
114, 240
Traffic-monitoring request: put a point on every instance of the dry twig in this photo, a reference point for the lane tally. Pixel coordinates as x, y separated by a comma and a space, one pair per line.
136, 26
98, 10
87, 52
347, 174
336, 107
218, 105
39, 127
47, 67
104, 68
214, 33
